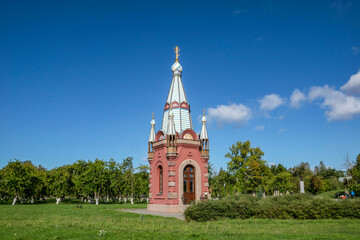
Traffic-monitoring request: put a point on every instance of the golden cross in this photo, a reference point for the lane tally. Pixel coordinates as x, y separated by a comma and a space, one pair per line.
203, 112
152, 115
177, 50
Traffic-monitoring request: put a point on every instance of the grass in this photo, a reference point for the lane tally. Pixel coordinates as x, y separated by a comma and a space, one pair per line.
66, 221
330, 194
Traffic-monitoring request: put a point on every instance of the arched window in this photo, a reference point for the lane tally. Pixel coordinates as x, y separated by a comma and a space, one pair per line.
160, 179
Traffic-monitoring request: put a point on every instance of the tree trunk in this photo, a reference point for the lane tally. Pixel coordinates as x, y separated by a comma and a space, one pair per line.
32, 199
132, 191
58, 200
96, 196
107, 198
14, 201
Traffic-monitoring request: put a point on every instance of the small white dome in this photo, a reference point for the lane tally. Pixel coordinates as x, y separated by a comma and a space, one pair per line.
204, 118
176, 67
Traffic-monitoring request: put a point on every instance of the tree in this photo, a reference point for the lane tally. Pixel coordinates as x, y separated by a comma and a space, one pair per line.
355, 171
128, 170
220, 185
79, 168
302, 170
60, 182
95, 178
36, 181
17, 179
117, 181
246, 166
141, 181
316, 184
276, 169
282, 181
4, 191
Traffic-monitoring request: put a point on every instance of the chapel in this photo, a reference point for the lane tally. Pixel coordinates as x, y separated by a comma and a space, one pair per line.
178, 156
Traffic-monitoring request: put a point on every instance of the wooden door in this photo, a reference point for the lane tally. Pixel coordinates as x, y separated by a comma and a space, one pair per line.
189, 184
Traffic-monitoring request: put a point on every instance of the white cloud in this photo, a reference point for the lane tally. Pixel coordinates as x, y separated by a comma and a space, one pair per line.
297, 97
282, 130
259, 128
355, 50
338, 105
271, 102
238, 114
353, 85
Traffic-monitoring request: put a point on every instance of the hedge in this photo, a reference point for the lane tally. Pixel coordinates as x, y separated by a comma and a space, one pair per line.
297, 206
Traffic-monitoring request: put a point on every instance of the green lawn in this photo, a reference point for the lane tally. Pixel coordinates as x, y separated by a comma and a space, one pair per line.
65, 221
330, 194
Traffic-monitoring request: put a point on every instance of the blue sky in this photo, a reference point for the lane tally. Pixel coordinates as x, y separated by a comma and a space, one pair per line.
80, 79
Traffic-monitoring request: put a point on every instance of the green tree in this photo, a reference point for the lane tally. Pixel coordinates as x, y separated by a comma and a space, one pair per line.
141, 181
17, 179
246, 166
282, 181
355, 171
276, 169
316, 184
128, 172
36, 179
95, 178
60, 182
4, 191
220, 186
79, 168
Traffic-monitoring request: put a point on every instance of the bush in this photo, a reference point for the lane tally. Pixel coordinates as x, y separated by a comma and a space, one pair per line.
297, 206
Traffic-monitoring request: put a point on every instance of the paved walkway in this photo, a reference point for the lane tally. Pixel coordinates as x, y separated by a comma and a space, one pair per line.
146, 212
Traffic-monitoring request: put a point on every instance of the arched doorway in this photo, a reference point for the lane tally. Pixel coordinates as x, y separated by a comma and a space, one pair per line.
189, 184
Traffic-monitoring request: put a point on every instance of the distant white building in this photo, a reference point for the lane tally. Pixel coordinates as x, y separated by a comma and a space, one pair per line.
342, 179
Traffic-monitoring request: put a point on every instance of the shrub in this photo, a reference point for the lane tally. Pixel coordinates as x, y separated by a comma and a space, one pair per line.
297, 206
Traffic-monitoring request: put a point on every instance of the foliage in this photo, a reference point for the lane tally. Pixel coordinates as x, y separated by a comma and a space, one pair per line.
248, 173
59, 181
22, 180
96, 179
297, 206
246, 167
282, 182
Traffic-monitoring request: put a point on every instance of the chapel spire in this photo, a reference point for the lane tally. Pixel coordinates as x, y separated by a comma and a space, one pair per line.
177, 100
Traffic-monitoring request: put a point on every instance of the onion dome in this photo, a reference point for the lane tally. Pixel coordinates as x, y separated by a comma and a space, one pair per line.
176, 67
